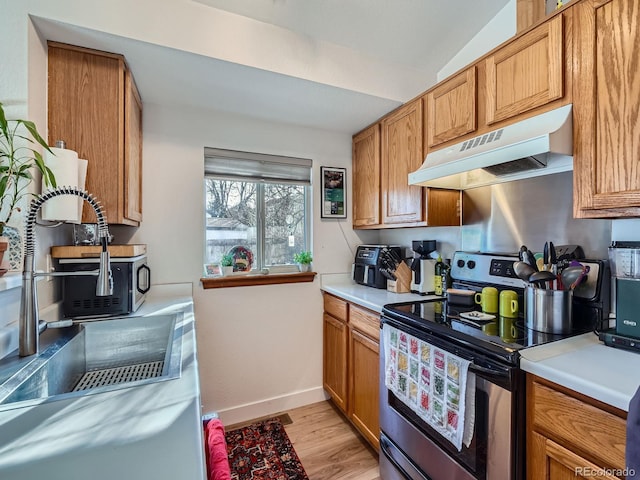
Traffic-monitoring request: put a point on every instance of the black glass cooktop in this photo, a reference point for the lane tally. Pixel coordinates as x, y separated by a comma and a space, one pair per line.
502, 336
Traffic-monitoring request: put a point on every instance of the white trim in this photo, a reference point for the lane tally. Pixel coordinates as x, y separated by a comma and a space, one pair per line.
271, 406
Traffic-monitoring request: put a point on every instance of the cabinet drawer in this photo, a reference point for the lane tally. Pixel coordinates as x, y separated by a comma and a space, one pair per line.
596, 434
365, 321
335, 307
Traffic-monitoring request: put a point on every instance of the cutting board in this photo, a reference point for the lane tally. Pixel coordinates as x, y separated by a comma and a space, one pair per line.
88, 251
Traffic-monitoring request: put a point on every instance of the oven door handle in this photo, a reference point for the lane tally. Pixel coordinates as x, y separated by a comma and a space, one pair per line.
489, 373
384, 445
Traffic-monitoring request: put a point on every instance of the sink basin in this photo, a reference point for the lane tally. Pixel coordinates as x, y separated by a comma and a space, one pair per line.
101, 356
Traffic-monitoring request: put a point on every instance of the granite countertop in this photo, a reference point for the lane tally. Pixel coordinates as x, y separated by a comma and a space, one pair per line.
368, 297
148, 431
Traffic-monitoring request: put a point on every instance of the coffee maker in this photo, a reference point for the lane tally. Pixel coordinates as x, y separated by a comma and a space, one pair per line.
423, 267
625, 268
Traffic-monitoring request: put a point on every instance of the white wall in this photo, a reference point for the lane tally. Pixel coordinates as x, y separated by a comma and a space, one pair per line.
259, 348
500, 29
23, 94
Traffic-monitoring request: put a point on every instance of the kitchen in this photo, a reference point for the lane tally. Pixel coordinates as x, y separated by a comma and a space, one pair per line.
166, 141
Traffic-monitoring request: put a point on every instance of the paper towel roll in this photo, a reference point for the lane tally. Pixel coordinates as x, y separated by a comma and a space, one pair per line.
65, 166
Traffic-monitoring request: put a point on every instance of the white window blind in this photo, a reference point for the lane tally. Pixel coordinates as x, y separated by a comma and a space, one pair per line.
256, 167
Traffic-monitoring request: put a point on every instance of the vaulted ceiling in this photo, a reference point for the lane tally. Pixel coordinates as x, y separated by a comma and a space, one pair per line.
336, 64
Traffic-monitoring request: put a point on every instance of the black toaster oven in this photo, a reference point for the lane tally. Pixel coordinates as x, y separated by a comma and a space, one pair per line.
131, 282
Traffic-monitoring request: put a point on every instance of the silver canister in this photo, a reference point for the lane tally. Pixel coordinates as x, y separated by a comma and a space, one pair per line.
548, 311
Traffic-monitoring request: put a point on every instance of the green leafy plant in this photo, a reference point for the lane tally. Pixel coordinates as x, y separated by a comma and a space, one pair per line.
303, 257
17, 160
227, 260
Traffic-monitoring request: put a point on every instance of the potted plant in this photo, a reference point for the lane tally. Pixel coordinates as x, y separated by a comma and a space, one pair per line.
17, 161
226, 262
303, 259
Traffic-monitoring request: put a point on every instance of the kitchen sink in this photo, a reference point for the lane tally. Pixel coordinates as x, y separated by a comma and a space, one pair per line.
100, 356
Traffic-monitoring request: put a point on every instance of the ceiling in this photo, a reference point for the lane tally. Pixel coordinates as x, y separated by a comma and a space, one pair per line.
409, 38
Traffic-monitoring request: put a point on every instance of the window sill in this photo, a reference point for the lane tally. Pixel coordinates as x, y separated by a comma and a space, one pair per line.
249, 280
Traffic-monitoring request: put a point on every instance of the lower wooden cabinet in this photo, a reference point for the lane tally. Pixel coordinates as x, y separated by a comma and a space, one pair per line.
335, 365
351, 363
572, 436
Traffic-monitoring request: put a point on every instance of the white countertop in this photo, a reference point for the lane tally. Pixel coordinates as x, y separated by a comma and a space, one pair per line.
367, 297
586, 365
150, 431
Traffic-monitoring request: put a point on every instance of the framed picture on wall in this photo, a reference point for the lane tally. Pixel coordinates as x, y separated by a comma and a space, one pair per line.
334, 192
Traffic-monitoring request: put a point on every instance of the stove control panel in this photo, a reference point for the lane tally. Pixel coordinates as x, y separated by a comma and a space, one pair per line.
485, 268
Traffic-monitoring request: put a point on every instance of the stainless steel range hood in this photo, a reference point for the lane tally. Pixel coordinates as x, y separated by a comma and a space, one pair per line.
539, 145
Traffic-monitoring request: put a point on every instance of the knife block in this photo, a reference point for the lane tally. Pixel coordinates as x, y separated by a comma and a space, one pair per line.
402, 283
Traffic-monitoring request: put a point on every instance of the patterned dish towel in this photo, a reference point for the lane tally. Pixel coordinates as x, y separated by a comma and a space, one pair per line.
434, 383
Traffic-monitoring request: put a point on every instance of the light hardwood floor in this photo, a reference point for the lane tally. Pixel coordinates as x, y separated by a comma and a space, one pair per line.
328, 446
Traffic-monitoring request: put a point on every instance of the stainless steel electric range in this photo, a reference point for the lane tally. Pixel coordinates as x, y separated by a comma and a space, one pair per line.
410, 448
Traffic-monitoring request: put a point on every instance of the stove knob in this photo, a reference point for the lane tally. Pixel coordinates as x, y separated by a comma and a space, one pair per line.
471, 264
460, 263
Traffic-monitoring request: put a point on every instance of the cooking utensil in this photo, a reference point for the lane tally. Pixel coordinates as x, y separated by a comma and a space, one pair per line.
573, 276
530, 259
541, 277
545, 256
523, 270
523, 249
570, 275
581, 278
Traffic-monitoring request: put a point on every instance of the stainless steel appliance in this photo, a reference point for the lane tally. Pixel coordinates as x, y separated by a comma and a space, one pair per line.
422, 267
369, 265
411, 449
131, 282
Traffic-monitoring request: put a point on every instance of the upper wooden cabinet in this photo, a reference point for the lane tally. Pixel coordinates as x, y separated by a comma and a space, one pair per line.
527, 73
401, 154
366, 177
94, 106
606, 128
382, 197
451, 109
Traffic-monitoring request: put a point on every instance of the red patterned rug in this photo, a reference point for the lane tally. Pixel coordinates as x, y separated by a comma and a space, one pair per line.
263, 451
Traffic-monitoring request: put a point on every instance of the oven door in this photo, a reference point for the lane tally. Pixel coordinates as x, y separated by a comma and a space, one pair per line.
411, 449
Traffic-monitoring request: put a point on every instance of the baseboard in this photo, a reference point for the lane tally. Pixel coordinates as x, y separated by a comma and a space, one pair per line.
249, 411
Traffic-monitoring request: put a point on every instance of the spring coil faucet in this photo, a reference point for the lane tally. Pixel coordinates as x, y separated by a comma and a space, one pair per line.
29, 323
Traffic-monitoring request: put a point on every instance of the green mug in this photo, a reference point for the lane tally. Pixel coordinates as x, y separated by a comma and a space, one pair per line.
508, 304
488, 299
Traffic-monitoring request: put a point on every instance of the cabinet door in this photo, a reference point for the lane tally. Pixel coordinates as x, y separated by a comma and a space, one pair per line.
401, 154
92, 108
364, 389
366, 177
606, 127
443, 207
335, 338
550, 461
84, 92
527, 73
133, 150
451, 109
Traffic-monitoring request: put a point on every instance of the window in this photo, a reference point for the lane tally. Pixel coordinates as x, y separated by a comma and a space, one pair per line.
258, 201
